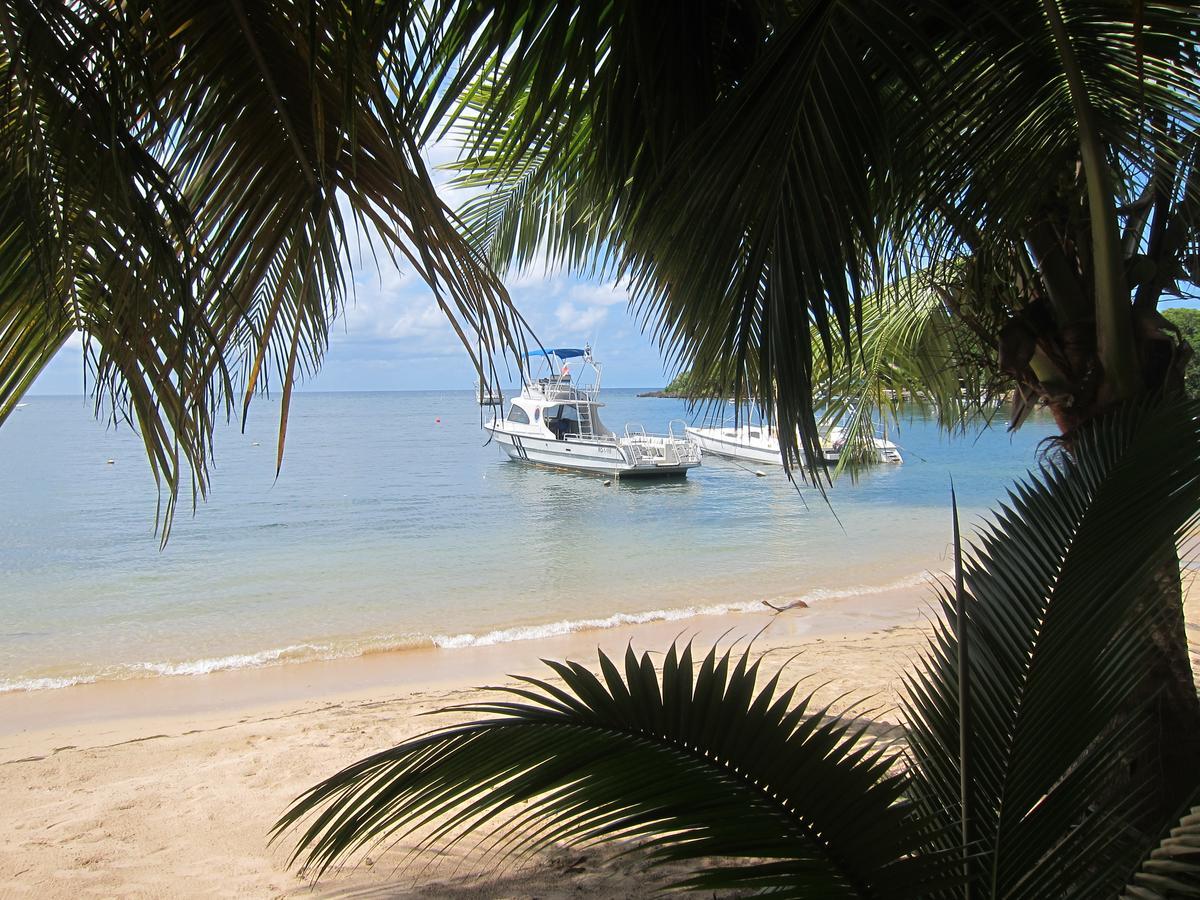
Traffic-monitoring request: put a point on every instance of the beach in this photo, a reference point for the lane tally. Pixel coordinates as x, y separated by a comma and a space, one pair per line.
160, 708
168, 787
389, 529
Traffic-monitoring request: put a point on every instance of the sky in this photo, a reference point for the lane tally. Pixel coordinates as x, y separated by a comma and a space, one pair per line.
392, 335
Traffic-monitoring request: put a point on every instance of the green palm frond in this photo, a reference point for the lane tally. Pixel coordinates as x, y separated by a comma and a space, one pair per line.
183, 182
1173, 870
698, 765
536, 209
1060, 657
755, 169
914, 352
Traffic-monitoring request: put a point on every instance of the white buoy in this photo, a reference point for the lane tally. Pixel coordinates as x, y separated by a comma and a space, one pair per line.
256, 444
607, 482
110, 462
760, 473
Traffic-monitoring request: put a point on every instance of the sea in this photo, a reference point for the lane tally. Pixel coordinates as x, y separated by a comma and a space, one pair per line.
394, 524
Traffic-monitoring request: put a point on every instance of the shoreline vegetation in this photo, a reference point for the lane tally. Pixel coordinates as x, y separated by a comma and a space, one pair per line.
685, 386
167, 790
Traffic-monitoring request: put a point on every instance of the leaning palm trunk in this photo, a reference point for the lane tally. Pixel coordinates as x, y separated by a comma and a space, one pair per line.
1171, 691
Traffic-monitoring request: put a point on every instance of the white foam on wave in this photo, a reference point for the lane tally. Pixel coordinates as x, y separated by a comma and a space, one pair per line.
308, 652
44, 684
816, 595
276, 656
569, 626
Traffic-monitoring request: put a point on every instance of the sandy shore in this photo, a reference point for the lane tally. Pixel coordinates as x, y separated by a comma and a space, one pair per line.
168, 787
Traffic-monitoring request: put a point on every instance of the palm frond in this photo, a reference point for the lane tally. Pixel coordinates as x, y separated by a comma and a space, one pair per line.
1060, 654
697, 765
915, 352
760, 181
1173, 868
540, 208
182, 184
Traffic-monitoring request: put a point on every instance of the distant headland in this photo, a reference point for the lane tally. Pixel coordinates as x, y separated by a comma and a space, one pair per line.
686, 387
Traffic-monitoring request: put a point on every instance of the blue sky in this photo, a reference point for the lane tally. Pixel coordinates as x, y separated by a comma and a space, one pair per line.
393, 337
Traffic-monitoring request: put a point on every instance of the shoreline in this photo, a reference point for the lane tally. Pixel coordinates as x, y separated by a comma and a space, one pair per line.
169, 787
305, 650
118, 708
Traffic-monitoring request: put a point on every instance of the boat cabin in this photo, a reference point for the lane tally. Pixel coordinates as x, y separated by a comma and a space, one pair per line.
577, 419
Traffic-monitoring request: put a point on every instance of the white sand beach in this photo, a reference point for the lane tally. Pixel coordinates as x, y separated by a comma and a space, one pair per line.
168, 787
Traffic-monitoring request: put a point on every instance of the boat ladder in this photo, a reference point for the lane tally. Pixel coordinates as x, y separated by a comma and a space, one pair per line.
586, 428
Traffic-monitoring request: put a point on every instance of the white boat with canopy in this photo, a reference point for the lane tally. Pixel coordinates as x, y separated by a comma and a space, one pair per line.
759, 443
556, 422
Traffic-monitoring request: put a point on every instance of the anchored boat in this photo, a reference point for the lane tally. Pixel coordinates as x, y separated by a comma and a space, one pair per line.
556, 422
760, 443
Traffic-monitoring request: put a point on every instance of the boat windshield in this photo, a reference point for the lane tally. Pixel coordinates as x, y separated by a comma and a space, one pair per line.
562, 420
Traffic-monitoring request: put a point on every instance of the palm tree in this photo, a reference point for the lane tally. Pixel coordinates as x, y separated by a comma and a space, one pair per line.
181, 182
998, 790
761, 173
180, 177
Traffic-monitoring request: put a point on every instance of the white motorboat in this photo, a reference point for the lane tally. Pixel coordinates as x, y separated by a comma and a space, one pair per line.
748, 443
760, 443
556, 422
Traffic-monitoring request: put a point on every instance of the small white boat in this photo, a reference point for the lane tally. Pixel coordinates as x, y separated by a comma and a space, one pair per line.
833, 442
488, 395
556, 422
749, 443
760, 444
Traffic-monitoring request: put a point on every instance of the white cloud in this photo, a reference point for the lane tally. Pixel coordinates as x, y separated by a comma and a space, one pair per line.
579, 319
599, 295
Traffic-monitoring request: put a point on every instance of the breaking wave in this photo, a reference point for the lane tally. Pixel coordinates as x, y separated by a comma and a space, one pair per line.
310, 652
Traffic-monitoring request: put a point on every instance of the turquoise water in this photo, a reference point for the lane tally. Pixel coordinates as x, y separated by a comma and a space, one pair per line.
392, 525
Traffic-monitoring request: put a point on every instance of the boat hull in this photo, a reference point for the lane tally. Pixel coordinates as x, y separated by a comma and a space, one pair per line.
719, 443
581, 455
755, 447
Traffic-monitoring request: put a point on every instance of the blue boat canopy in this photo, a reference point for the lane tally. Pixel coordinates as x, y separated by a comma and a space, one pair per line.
560, 352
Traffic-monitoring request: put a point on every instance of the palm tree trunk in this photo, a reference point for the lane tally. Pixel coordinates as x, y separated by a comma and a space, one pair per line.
1168, 768
1171, 692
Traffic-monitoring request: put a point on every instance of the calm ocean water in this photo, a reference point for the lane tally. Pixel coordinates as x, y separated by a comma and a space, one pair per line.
392, 526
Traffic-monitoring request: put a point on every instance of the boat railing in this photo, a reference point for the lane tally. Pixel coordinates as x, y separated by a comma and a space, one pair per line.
560, 389
669, 448
683, 427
